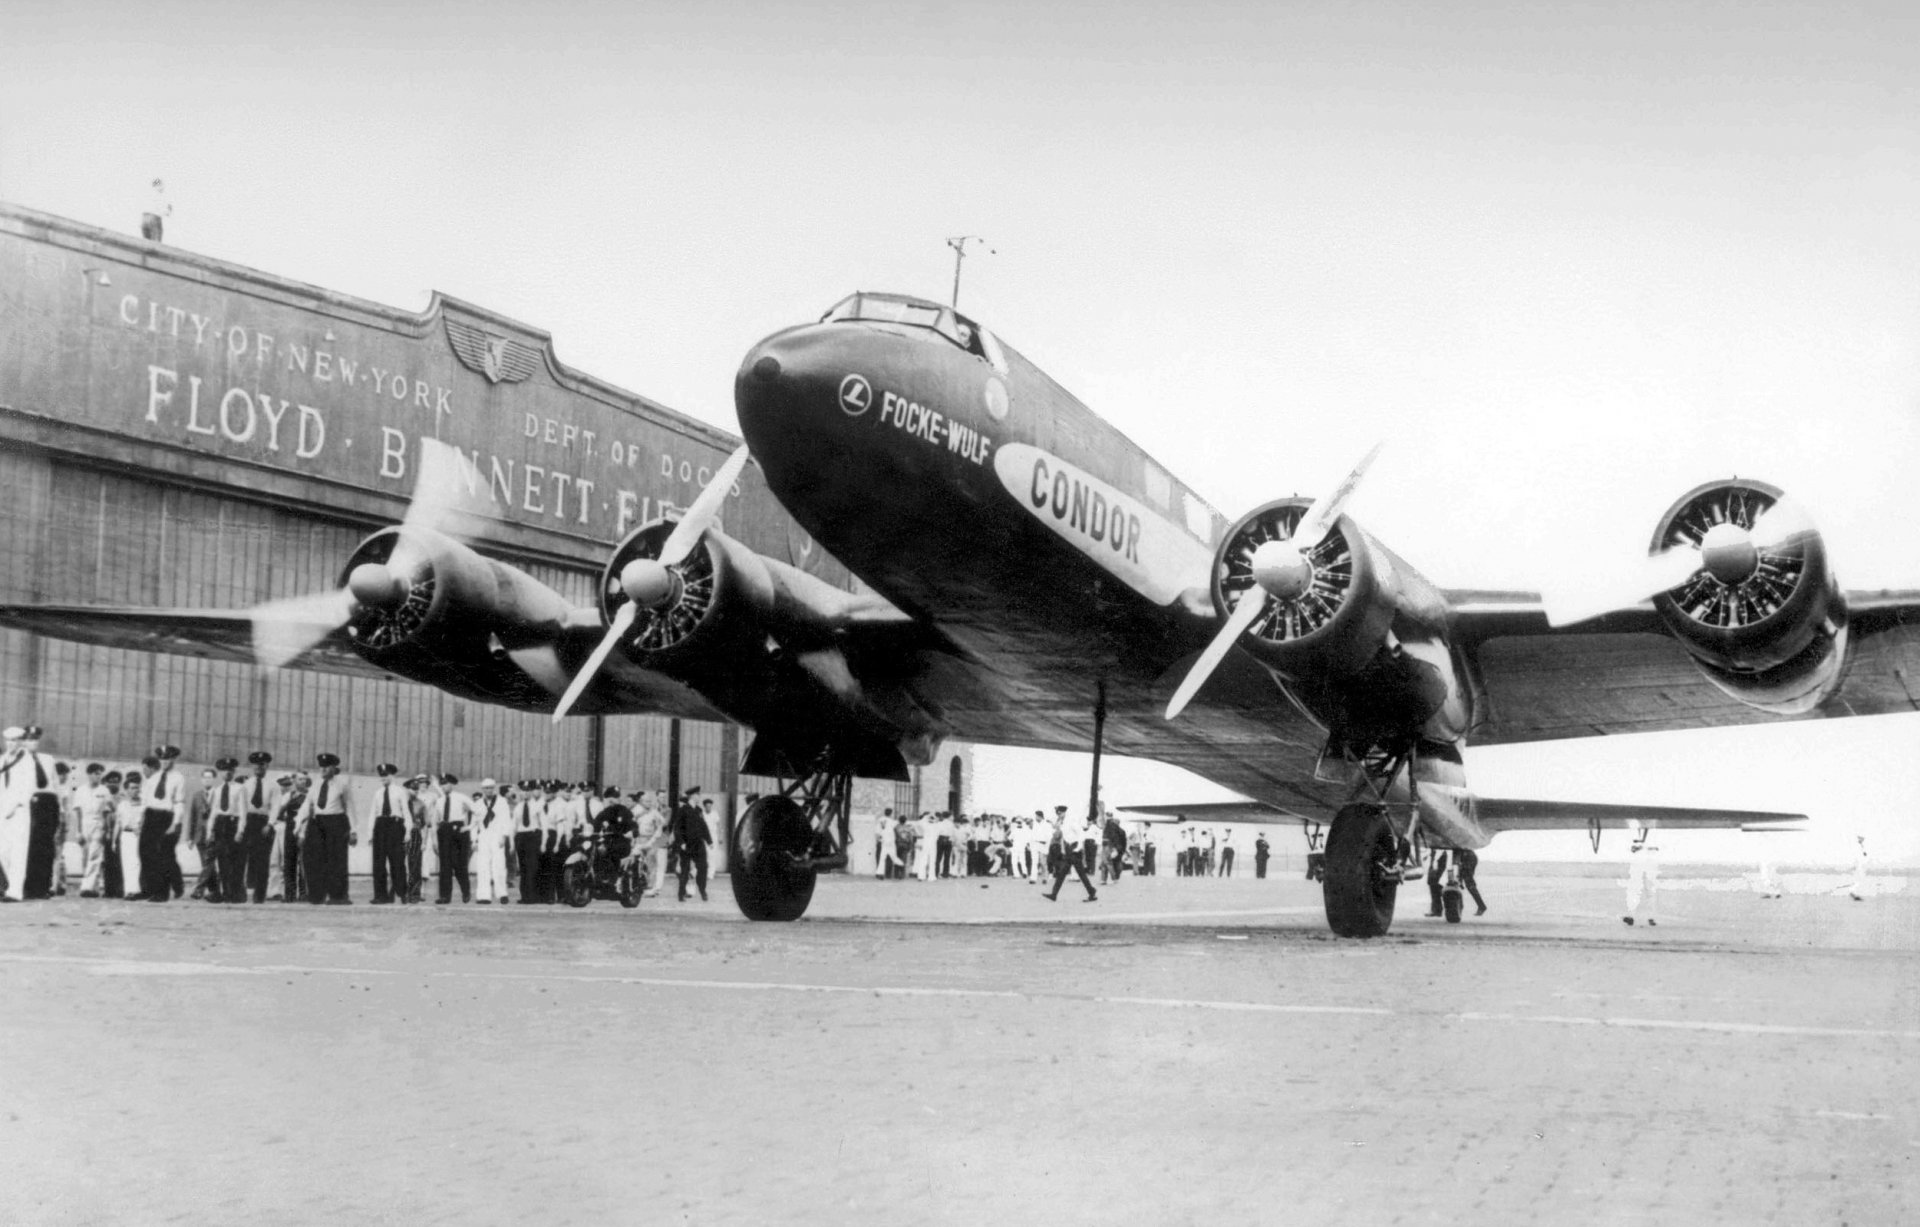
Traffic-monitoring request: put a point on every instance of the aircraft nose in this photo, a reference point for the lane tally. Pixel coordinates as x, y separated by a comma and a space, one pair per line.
786, 383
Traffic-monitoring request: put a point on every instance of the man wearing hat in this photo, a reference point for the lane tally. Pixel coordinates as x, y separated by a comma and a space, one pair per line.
257, 798
29, 815
226, 809
328, 834
163, 809
692, 836
447, 812
528, 836
490, 820
388, 816
199, 829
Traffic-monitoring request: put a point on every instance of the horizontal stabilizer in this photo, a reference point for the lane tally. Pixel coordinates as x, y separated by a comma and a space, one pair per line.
1251, 813
1501, 814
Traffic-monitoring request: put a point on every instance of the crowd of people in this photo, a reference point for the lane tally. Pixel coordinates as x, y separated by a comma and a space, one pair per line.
1042, 849
285, 836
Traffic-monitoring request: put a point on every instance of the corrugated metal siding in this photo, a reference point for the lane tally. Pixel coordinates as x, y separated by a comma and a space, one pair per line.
83, 535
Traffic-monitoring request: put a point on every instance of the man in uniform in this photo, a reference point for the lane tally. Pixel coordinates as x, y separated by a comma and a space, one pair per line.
692, 836
491, 824
35, 784
452, 840
328, 833
529, 834
388, 815
1261, 851
226, 811
258, 799
160, 828
1226, 852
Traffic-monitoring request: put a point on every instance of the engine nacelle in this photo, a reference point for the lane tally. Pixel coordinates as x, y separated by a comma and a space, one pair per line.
1337, 625
1763, 618
447, 616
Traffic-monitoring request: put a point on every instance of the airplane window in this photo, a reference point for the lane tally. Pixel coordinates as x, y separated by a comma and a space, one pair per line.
886, 309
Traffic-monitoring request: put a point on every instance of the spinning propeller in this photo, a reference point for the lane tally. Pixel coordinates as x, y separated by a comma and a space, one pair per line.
1283, 572
1735, 544
655, 583
285, 628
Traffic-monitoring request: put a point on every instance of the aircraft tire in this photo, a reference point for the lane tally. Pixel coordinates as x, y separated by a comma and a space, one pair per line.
1450, 904
766, 883
1358, 892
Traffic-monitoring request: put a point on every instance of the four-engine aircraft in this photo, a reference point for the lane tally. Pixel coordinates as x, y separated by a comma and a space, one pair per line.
1028, 576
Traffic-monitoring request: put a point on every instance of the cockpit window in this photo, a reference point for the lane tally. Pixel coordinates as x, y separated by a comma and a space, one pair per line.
917, 313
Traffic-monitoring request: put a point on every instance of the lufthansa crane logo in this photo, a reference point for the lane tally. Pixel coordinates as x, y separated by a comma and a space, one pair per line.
856, 395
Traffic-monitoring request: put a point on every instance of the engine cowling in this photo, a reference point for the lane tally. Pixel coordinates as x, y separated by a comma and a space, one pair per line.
1765, 621
443, 614
1338, 622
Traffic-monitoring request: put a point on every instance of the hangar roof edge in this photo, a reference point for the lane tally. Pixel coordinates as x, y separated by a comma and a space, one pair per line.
49, 227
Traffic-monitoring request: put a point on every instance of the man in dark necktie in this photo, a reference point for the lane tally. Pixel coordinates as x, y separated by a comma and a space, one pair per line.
160, 827
692, 836
388, 836
256, 836
329, 833
452, 841
226, 807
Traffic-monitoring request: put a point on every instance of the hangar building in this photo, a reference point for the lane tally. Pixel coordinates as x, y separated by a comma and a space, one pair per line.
178, 431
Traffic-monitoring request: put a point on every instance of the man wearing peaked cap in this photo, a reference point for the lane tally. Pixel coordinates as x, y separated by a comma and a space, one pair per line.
389, 815
491, 823
226, 810
164, 803
259, 799
29, 816
447, 817
329, 833
528, 809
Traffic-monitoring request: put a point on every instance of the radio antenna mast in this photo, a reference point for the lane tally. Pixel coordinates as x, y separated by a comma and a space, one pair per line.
959, 245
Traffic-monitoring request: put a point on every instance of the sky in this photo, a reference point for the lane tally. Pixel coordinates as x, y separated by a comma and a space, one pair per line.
1568, 260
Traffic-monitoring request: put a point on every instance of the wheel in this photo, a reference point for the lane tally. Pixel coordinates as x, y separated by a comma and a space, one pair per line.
633, 884
576, 884
1359, 885
1450, 904
766, 883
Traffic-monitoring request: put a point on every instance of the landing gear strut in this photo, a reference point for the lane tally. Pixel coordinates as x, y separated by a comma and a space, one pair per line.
782, 842
1367, 855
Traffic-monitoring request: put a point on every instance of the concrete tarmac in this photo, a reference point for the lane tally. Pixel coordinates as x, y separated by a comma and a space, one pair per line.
1182, 1051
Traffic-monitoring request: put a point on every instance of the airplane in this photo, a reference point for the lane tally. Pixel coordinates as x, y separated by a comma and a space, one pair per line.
1029, 576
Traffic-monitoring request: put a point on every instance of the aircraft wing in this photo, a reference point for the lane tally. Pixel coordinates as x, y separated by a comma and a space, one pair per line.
1622, 673
1248, 813
212, 634
1498, 814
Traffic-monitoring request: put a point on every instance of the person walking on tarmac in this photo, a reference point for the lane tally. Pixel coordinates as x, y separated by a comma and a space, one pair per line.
1643, 876
1469, 860
1075, 837
692, 836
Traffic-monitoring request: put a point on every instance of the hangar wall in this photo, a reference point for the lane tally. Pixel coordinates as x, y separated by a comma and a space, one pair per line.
180, 431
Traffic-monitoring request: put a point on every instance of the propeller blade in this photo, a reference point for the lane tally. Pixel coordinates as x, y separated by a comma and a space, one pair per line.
1252, 602
622, 622
1655, 574
1320, 517
286, 628
442, 501
686, 534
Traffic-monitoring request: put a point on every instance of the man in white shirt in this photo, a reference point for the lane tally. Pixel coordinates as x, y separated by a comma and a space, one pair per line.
258, 800
327, 833
165, 809
226, 811
650, 840
1643, 876
491, 822
449, 812
1074, 839
389, 813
